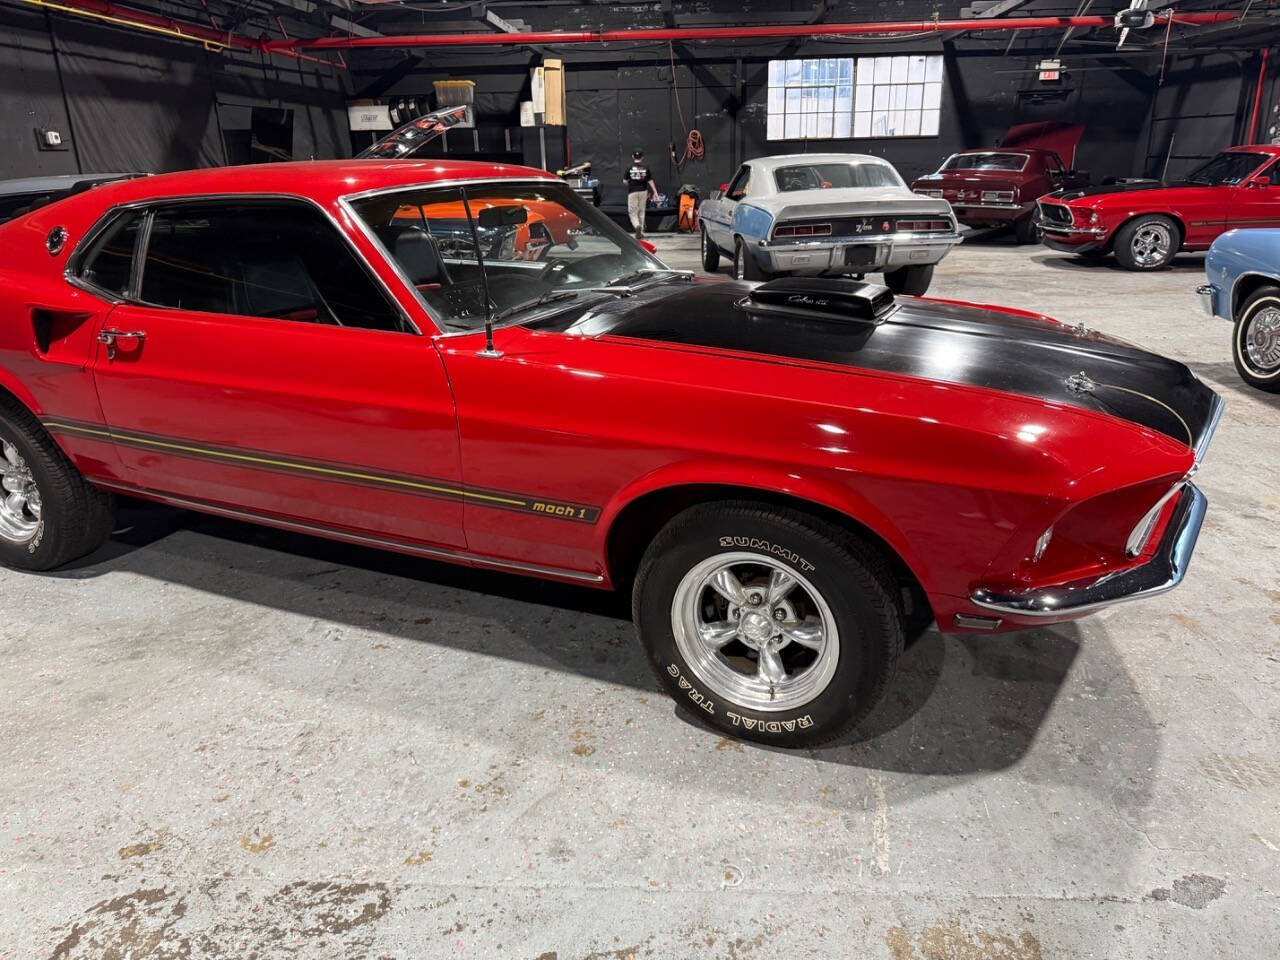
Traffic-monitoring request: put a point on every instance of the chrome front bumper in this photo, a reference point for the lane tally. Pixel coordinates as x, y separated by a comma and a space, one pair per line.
1162, 572
823, 256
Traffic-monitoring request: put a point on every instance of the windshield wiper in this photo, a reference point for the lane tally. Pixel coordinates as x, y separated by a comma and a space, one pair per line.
551, 296
627, 279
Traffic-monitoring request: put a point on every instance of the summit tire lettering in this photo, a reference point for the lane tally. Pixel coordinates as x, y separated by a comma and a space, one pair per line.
764, 546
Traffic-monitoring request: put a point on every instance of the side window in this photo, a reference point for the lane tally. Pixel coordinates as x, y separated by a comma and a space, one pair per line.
108, 263
738, 188
260, 259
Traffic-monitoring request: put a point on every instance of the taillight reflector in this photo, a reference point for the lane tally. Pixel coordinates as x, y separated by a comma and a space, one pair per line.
804, 230
923, 226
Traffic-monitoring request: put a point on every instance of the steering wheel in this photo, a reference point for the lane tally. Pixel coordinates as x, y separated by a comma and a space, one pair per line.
554, 271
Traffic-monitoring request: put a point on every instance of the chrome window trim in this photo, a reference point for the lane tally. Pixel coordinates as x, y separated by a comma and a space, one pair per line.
149, 205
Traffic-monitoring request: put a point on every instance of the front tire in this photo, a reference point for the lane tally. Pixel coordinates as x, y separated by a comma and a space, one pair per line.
710, 253
766, 623
1147, 243
912, 281
1255, 340
49, 513
1027, 230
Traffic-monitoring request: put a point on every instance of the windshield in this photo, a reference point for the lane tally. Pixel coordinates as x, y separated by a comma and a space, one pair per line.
1227, 169
986, 161
535, 239
827, 176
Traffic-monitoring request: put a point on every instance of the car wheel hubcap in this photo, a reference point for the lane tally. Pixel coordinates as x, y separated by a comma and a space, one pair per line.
1262, 340
1151, 244
20, 503
754, 632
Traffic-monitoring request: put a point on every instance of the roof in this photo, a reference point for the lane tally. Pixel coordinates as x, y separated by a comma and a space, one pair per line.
321, 180
54, 184
786, 158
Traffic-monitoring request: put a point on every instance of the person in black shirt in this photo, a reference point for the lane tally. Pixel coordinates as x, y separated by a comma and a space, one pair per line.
640, 186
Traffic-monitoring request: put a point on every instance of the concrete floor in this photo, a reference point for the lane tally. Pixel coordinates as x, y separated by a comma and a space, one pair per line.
220, 741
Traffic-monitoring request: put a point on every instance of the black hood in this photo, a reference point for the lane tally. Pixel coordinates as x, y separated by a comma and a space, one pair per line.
932, 340
1133, 186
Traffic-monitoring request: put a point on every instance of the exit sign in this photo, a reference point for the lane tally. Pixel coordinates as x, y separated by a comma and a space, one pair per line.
1050, 75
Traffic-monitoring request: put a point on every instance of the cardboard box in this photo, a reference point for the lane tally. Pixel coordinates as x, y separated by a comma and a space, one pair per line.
553, 91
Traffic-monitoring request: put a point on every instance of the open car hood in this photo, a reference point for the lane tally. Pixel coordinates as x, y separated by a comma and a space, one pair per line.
1061, 138
414, 135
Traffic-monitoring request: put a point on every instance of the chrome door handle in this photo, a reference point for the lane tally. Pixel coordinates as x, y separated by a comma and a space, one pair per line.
111, 335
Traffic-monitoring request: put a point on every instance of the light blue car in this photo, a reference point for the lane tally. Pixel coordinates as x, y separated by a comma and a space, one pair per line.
1243, 270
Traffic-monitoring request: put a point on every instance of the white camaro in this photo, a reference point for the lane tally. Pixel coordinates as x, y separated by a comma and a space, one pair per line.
826, 214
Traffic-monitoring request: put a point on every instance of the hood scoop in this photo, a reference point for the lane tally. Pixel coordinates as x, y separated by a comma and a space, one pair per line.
835, 300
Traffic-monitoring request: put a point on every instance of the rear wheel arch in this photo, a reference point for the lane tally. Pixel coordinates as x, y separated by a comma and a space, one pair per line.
12, 394
635, 525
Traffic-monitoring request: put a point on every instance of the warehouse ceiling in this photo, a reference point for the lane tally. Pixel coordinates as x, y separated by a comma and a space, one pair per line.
267, 21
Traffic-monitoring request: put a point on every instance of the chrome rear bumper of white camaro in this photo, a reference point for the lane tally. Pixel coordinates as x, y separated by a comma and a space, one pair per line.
870, 254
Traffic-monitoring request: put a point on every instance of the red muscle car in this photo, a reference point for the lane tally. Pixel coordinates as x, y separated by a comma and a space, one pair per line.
998, 187
783, 475
1146, 222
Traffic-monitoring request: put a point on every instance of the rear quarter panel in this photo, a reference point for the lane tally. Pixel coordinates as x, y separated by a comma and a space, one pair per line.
48, 327
1239, 260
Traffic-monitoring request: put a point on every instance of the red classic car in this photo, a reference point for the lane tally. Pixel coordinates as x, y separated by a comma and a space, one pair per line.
998, 187
783, 475
1144, 223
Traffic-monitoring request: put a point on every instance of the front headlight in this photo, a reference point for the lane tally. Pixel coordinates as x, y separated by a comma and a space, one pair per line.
1041, 545
1140, 534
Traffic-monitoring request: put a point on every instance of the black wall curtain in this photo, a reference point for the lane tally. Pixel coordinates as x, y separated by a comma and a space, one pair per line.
137, 102
126, 101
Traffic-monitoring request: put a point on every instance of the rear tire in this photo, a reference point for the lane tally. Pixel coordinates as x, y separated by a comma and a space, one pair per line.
744, 265
912, 281
710, 253
50, 514
1147, 243
1027, 230
1255, 340
804, 657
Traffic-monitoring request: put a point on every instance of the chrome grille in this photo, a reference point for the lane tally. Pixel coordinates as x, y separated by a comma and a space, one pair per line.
1053, 213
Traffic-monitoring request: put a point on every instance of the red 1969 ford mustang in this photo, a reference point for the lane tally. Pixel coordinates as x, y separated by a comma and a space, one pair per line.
783, 475
1145, 223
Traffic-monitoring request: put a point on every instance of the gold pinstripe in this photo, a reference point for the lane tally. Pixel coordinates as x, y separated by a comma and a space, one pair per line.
290, 464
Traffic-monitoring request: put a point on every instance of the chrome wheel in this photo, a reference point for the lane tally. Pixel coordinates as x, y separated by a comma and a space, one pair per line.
21, 505
1261, 340
739, 262
1152, 244
754, 632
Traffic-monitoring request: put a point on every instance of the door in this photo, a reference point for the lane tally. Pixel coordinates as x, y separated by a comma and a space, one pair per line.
258, 364
721, 226
1256, 202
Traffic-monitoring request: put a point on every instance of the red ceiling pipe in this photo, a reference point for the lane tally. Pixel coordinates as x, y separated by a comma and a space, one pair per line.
1257, 97
664, 35
128, 16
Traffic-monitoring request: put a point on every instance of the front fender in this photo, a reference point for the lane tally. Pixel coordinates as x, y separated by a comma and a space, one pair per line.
769, 479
